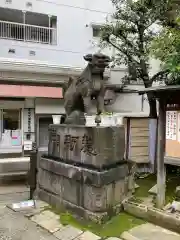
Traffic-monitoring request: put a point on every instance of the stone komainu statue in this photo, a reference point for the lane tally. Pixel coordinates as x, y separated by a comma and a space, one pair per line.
79, 91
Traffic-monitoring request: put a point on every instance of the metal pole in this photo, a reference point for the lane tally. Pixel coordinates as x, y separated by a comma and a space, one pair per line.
24, 22
49, 29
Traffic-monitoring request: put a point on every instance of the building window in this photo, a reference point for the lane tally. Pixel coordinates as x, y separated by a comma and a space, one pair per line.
28, 26
96, 31
11, 50
32, 53
44, 123
11, 119
8, 1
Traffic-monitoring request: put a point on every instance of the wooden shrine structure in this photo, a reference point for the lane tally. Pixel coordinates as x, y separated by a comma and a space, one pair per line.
168, 98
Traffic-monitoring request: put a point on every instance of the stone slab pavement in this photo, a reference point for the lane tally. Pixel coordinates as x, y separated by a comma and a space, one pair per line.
13, 193
40, 223
149, 232
14, 226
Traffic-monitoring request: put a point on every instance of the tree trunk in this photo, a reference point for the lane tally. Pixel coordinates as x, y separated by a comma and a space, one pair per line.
148, 83
152, 106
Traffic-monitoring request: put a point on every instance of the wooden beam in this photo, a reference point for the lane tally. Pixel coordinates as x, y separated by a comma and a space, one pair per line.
161, 174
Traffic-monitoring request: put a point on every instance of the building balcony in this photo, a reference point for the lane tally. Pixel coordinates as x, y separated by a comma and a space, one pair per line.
27, 32
28, 26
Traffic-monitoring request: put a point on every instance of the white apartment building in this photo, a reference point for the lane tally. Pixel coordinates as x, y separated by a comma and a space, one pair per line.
42, 43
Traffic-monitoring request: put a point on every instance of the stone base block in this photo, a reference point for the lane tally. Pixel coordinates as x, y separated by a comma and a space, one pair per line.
97, 147
93, 195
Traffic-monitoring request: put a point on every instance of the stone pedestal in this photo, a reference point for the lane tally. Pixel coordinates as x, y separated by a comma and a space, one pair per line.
85, 170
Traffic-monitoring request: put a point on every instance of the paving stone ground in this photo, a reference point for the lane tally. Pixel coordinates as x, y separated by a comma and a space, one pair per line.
14, 226
32, 223
40, 224
150, 232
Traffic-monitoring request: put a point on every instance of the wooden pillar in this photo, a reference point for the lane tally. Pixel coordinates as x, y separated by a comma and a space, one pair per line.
161, 174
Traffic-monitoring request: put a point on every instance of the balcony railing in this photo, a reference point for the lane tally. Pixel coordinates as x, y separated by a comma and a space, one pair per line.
27, 33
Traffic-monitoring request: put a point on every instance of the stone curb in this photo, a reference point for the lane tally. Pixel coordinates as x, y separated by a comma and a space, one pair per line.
128, 236
153, 215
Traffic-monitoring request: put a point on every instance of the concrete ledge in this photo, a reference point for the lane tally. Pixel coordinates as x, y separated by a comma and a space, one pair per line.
153, 215
12, 165
14, 168
128, 236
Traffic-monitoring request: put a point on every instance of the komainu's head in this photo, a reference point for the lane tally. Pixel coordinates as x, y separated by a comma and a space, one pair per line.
98, 61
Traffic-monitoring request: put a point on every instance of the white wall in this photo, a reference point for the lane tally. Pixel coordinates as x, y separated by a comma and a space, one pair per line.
74, 30
49, 106
129, 102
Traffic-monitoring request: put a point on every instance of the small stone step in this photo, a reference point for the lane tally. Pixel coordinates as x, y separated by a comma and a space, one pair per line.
114, 238
178, 191
149, 232
87, 236
153, 190
68, 233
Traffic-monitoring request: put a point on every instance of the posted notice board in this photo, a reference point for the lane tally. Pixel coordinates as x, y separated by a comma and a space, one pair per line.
173, 134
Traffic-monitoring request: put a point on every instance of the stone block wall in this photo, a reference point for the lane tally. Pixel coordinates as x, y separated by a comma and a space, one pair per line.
85, 170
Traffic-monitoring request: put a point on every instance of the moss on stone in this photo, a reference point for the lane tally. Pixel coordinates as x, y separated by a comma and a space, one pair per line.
112, 228
145, 184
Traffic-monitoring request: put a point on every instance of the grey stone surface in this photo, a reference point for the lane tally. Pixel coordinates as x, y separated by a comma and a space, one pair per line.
88, 236
56, 201
13, 188
83, 195
176, 206
78, 93
83, 171
153, 190
10, 198
87, 145
150, 232
48, 220
31, 211
136, 186
85, 175
41, 204
154, 215
36, 208
178, 191
167, 207
148, 201
47, 214
114, 238
68, 233
14, 226
86, 189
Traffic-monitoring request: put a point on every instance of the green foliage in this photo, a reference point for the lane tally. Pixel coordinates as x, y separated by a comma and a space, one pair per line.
133, 27
112, 228
166, 47
131, 30
129, 22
